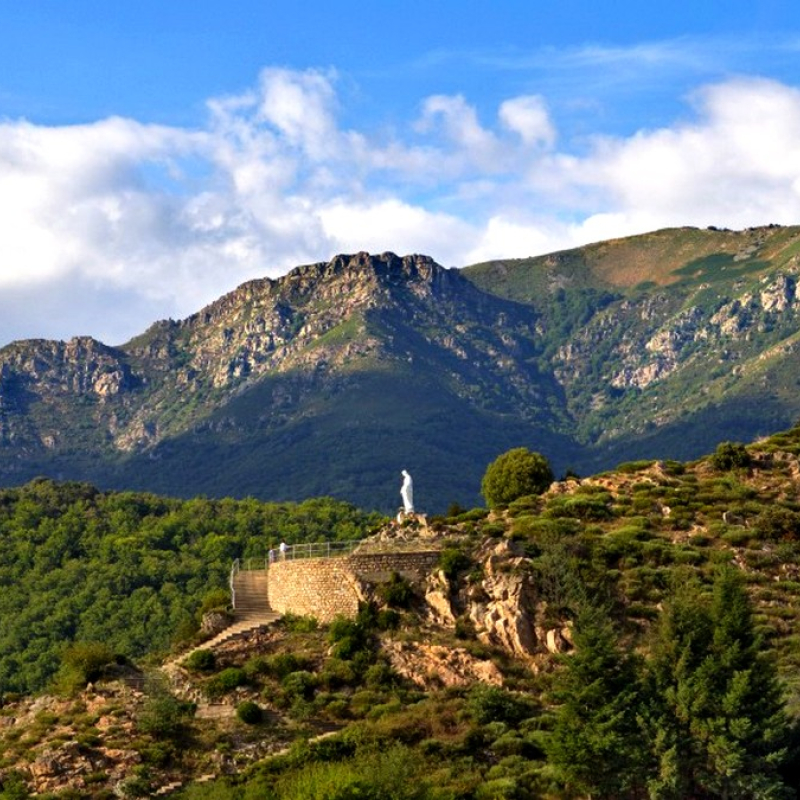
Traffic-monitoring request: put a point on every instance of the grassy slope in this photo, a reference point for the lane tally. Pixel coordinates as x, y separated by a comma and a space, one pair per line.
659, 258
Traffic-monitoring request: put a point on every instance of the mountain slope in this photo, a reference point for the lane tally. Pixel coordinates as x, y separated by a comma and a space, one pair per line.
328, 381
650, 334
335, 377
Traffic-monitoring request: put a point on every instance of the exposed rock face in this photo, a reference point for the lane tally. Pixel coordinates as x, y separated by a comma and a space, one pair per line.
559, 640
65, 763
503, 609
432, 665
80, 366
438, 598
74, 766
214, 622
504, 606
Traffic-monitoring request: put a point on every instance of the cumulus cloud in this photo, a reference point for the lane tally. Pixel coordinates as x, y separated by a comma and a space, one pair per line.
735, 165
528, 117
106, 227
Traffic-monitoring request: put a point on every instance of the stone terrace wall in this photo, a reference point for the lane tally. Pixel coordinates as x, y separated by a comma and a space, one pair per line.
325, 587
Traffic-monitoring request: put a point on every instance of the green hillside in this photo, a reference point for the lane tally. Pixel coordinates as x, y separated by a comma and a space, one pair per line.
656, 605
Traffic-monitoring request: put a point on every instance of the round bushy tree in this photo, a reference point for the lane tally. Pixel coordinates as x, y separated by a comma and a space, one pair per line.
514, 474
731, 455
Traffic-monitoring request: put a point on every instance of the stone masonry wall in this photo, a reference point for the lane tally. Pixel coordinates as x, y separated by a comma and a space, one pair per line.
325, 587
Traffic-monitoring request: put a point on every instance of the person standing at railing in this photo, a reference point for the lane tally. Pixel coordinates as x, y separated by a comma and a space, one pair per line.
271, 555
283, 548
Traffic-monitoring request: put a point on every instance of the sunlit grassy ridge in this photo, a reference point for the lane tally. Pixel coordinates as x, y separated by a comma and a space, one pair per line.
660, 258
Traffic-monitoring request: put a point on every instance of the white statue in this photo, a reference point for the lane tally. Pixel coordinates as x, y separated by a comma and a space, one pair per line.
407, 493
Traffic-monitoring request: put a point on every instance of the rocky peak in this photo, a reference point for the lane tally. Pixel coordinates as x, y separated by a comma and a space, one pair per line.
80, 365
361, 275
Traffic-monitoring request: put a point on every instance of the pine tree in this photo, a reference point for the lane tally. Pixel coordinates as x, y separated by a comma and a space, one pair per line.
594, 747
681, 644
717, 724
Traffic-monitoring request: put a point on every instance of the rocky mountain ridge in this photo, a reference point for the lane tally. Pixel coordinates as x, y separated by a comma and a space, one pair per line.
663, 344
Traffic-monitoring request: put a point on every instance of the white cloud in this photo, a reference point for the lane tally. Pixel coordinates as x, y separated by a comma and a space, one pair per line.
117, 223
736, 165
396, 226
528, 117
301, 106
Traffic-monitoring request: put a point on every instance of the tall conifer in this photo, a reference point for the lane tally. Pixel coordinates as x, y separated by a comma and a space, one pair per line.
717, 725
595, 745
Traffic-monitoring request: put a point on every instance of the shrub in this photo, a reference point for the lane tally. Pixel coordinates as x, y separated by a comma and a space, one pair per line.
380, 675
514, 474
473, 515
226, 681
492, 704
396, 592
580, 507
452, 561
547, 529
257, 665
731, 455
337, 673
282, 664
524, 505
249, 712
737, 535
163, 716
82, 663
674, 467
631, 467
455, 510
465, 628
215, 600
157, 754
778, 523
299, 685
352, 637
201, 661
296, 623
388, 619
14, 785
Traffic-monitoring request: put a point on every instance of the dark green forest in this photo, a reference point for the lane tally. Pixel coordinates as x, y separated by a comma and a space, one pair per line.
128, 569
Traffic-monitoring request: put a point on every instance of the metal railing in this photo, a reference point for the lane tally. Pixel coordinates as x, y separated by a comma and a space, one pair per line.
295, 552
235, 568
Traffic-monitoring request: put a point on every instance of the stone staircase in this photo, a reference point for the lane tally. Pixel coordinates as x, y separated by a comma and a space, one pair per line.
251, 611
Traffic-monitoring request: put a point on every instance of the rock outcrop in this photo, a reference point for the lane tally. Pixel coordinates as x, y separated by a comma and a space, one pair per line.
503, 607
430, 666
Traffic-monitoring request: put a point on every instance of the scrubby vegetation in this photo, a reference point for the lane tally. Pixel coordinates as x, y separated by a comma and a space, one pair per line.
132, 571
675, 589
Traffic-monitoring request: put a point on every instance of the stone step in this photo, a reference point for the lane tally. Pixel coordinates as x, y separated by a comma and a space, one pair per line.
251, 591
251, 611
242, 624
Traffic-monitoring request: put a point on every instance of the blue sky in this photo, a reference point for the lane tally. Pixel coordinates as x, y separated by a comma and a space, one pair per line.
154, 155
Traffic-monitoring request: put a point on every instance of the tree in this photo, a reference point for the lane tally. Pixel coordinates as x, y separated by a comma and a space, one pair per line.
719, 727
595, 746
731, 455
514, 474
82, 663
